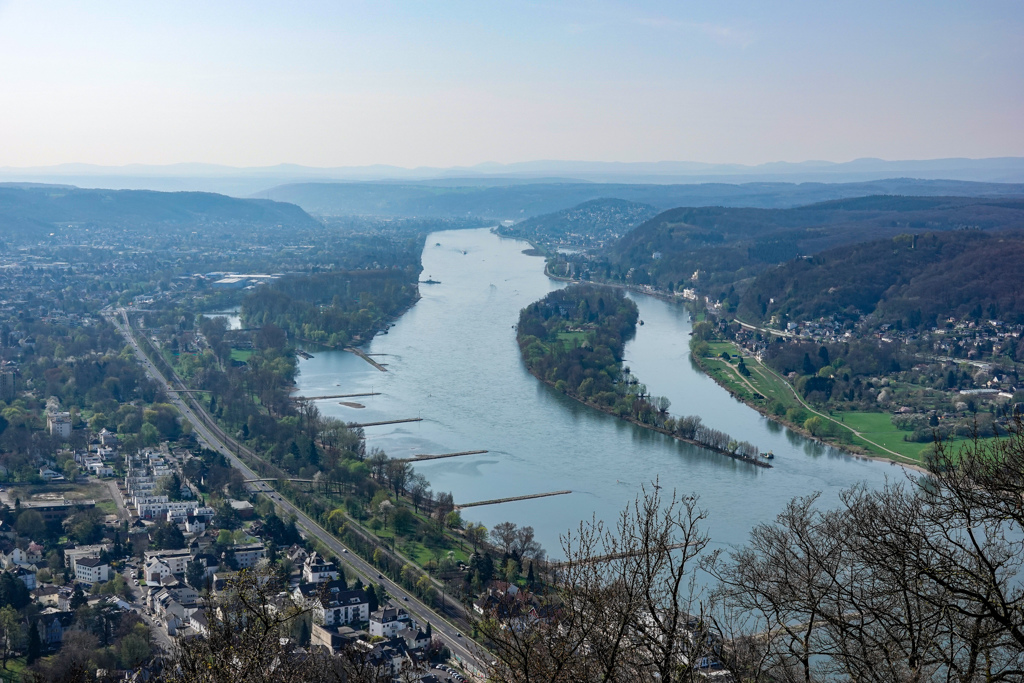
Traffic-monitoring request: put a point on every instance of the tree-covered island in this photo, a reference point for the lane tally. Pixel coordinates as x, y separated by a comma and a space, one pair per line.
573, 339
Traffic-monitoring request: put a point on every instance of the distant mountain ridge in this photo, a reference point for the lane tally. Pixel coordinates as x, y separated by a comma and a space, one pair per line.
525, 200
32, 211
245, 181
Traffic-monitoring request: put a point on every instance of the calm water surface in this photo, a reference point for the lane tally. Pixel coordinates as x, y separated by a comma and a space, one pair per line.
453, 361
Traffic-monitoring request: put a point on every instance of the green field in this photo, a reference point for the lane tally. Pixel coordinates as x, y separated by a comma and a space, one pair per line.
877, 427
241, 355
769, 385
571, 339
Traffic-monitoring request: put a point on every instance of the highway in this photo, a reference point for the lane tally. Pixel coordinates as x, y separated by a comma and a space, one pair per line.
356, 566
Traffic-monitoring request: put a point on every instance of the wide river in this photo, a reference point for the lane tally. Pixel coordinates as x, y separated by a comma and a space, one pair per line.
452, 360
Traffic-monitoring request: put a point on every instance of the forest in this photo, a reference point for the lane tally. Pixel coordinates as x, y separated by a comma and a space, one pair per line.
910, 281
334, 308
710, 248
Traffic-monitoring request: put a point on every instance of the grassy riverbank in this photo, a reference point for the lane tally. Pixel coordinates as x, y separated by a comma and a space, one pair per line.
858, 432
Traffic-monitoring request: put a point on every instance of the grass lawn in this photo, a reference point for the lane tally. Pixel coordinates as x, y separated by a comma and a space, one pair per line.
14, 668
571, 339
241, 355
764, 382
879, 428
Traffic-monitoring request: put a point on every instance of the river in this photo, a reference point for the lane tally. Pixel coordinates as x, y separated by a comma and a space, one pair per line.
452, 360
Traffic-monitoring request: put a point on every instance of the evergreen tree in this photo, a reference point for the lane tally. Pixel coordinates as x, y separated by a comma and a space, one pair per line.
371, 596
195, 574
78, 597
35, 646
430, 630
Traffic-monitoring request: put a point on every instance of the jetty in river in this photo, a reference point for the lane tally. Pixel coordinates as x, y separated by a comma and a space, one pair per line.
364, 356
354, 425
495, 501
321, 398
417, 458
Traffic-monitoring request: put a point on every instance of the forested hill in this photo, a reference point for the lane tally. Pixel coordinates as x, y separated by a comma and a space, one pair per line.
590, 223
909, 281
31, 212
515, 199
727, 245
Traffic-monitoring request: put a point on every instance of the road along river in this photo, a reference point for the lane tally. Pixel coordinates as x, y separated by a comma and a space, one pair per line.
452, 360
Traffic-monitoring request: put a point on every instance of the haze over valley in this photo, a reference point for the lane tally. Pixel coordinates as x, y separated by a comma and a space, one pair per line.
512, 343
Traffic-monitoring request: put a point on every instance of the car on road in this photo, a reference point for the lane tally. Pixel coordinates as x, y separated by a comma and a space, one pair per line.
380, 576
406, 598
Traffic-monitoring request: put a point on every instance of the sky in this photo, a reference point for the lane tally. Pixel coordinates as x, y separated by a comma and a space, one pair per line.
456, 83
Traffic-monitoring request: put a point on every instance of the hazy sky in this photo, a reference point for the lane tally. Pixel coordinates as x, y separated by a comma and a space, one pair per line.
458, 83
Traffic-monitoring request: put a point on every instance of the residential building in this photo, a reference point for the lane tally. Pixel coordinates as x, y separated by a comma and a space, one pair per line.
332, 604
335, 638
59, 424
8, 386
249, 554
388, 621
316, 568
176, 561
26, 576
92, 570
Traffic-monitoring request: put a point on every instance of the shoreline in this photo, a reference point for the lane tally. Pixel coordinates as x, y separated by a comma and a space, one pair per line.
843, 448
762, 462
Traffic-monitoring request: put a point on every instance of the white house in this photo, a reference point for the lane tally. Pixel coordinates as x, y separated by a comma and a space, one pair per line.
98, 469
316, 569
50, 475
388, 621
249, 554
59, 424
92, 570
332, 604
176, 561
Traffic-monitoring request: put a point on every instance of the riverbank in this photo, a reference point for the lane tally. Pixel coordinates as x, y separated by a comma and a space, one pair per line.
759, 462
764, 388
574, 340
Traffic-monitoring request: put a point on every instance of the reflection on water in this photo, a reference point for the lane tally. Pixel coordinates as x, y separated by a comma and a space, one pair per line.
231, 316
453, 361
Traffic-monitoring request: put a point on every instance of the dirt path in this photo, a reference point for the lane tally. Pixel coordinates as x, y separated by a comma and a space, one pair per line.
902, 459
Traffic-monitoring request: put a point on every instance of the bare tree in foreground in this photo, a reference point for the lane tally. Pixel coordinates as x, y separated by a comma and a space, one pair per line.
247, 640
920, 581
626, 606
